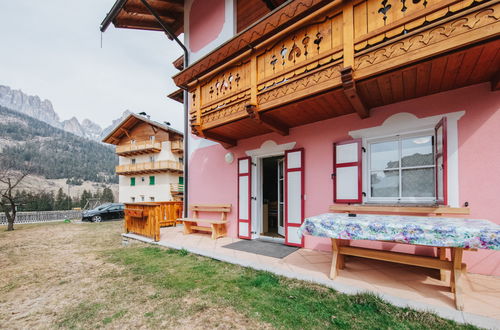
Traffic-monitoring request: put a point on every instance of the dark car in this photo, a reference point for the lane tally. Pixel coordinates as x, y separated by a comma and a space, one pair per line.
104, 212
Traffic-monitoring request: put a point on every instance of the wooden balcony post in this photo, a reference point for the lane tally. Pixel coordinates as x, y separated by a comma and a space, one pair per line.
197, 104
253, 81
348, 36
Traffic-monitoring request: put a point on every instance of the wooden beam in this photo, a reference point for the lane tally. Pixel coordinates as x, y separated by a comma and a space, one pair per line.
495, 81
352, 94
271, 123
223, 140
138, 8
125, 131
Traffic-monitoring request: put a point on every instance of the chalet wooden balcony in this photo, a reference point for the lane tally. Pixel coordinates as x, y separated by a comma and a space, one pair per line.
177, 146
345, 57
162, 166
139, 148
176, 188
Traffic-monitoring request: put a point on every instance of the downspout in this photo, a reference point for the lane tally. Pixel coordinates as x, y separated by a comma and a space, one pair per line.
186, 109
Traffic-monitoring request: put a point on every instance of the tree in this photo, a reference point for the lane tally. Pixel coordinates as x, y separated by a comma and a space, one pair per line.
107, 195
10, 180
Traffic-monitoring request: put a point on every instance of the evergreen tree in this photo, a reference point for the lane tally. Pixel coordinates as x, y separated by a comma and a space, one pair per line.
107, 195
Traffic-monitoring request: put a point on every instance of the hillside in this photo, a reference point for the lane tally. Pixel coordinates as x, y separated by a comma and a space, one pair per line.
52, 152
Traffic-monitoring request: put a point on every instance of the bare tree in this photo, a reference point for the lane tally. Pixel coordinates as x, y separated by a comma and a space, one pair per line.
10, 180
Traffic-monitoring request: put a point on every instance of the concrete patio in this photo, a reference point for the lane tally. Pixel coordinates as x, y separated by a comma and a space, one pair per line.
401, 285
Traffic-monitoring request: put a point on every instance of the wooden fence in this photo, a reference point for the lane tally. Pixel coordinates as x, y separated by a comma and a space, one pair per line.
146, 219
42, 216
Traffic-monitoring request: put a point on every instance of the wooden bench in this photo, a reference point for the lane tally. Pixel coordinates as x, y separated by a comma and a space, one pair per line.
341, 248
217, 227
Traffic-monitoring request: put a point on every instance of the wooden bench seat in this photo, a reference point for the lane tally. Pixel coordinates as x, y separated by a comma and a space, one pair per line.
217, 227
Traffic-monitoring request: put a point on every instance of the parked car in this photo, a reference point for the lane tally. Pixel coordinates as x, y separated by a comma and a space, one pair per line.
104, 212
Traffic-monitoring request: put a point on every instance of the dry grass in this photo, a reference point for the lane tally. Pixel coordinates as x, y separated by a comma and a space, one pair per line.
58, 275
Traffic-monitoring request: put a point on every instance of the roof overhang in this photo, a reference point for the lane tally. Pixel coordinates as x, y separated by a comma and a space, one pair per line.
130, 122
132, 14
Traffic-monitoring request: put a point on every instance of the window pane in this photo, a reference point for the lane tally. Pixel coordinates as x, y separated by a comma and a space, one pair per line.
384, 155
385, 184
418, 182
417, 151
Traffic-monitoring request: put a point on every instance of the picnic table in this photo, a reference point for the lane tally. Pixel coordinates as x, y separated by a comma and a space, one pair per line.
456, 234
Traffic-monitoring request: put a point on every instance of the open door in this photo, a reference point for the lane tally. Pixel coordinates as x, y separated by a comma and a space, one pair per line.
294, 196
244, 198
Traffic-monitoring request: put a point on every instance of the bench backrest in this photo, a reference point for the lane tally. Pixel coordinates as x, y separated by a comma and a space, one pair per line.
427, 210
224, 209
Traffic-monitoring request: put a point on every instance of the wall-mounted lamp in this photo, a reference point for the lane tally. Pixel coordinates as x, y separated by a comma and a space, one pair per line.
229, 157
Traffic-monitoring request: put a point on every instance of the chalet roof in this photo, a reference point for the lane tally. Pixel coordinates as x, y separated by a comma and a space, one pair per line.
132, 14
178, 96
130, 122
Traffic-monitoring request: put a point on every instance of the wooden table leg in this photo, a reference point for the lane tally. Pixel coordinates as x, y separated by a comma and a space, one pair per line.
337, 258
456, 277
442, 256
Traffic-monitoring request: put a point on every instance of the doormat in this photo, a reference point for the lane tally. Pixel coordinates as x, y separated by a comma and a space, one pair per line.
263, 248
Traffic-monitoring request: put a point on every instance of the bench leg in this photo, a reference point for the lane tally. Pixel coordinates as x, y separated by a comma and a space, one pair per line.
442, 256
187, 228
337, 259
215, 232
456, 277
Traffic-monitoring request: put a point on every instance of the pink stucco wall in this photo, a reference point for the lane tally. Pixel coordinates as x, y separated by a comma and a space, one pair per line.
206, 20
212, 180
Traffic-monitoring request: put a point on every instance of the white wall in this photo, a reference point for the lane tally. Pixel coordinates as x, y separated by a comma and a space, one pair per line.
160, 190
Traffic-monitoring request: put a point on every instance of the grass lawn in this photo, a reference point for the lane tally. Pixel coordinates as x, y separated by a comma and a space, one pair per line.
80, 276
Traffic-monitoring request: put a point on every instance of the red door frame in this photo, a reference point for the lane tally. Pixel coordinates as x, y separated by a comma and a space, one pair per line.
287, 170
359, 164
442, 124
249, 220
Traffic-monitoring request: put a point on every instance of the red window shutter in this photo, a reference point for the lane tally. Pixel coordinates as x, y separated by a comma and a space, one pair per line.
441, 161
347, 176
245, 198
294, 196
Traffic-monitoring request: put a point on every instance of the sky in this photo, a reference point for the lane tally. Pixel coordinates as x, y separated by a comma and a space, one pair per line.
53, 49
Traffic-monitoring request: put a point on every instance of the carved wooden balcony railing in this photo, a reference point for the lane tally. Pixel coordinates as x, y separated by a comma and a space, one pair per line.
150, 167
340, 49
139, 148
177, 146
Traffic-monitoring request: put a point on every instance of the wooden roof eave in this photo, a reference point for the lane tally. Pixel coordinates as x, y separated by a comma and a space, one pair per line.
132, 14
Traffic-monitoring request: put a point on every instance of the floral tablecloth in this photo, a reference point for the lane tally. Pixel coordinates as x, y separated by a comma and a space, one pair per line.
443, 232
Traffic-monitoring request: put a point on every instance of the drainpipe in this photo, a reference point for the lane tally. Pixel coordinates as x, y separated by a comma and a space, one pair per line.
186, 110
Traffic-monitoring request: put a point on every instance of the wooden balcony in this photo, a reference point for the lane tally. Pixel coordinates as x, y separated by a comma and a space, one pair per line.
162, 166
177, 146
345, 57
139, 148
176, 188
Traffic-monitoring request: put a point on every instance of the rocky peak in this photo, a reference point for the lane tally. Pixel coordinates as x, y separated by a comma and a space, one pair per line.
30, 105
73, 126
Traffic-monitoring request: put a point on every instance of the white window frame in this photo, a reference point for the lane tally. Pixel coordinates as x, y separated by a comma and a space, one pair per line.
367, 169
408, 122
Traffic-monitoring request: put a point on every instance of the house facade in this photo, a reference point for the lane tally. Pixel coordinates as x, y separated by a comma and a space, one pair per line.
298, 105
150, 160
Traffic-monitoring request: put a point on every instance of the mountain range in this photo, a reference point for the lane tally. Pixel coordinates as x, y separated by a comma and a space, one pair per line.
43, 110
